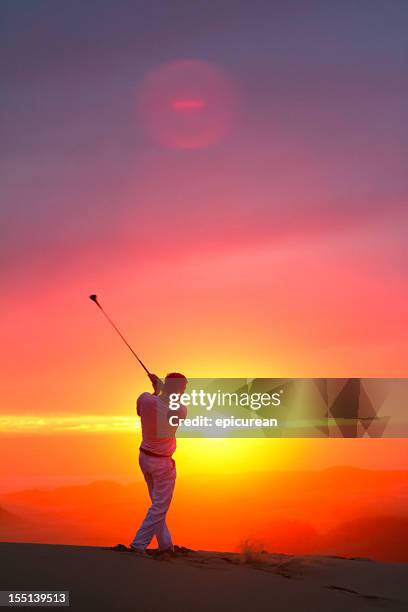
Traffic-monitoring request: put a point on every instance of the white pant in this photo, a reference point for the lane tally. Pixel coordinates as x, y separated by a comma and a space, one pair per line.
160, 476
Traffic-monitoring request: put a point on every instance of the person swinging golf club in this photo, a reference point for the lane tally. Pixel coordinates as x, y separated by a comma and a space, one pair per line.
156, 450
155, 458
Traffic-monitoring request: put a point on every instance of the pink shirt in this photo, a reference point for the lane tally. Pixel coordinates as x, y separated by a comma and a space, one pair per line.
158, 436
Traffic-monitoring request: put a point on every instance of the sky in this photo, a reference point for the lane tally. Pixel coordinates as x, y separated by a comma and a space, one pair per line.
230, 179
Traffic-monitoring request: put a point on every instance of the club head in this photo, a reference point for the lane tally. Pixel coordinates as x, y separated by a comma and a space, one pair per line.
93, 297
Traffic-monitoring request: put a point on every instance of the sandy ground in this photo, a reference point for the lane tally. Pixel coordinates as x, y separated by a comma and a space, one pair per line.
103, 579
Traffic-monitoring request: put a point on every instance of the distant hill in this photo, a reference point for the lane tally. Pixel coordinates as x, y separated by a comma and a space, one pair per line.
381, 537
348, 511
104, 491
8, 519
12, 526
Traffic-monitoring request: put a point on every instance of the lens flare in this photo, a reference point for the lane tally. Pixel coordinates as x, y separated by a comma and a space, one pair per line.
187, 104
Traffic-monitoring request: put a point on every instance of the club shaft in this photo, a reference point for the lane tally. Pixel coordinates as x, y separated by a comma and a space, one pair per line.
123, 338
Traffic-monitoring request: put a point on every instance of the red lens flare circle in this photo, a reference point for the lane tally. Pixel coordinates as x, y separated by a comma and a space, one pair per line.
187, 104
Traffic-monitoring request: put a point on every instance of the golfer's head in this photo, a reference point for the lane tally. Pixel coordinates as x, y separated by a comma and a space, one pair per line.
175, 383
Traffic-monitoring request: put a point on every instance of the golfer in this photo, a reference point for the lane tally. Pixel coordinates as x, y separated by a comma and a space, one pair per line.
155, 458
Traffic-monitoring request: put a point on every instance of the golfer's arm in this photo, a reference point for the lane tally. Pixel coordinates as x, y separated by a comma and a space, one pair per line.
182, 412
138, 407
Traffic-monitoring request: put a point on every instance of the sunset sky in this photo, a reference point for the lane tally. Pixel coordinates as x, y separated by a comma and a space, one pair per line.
230, 179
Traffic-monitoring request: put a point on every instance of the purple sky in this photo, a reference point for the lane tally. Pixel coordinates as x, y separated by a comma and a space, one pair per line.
320, 144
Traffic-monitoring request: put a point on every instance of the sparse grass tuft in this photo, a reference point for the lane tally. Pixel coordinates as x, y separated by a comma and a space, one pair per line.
251, 552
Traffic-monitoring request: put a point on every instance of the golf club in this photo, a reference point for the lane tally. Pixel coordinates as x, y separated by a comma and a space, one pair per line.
94, 298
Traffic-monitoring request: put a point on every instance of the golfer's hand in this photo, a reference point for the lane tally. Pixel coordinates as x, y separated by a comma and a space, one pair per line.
156, 382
